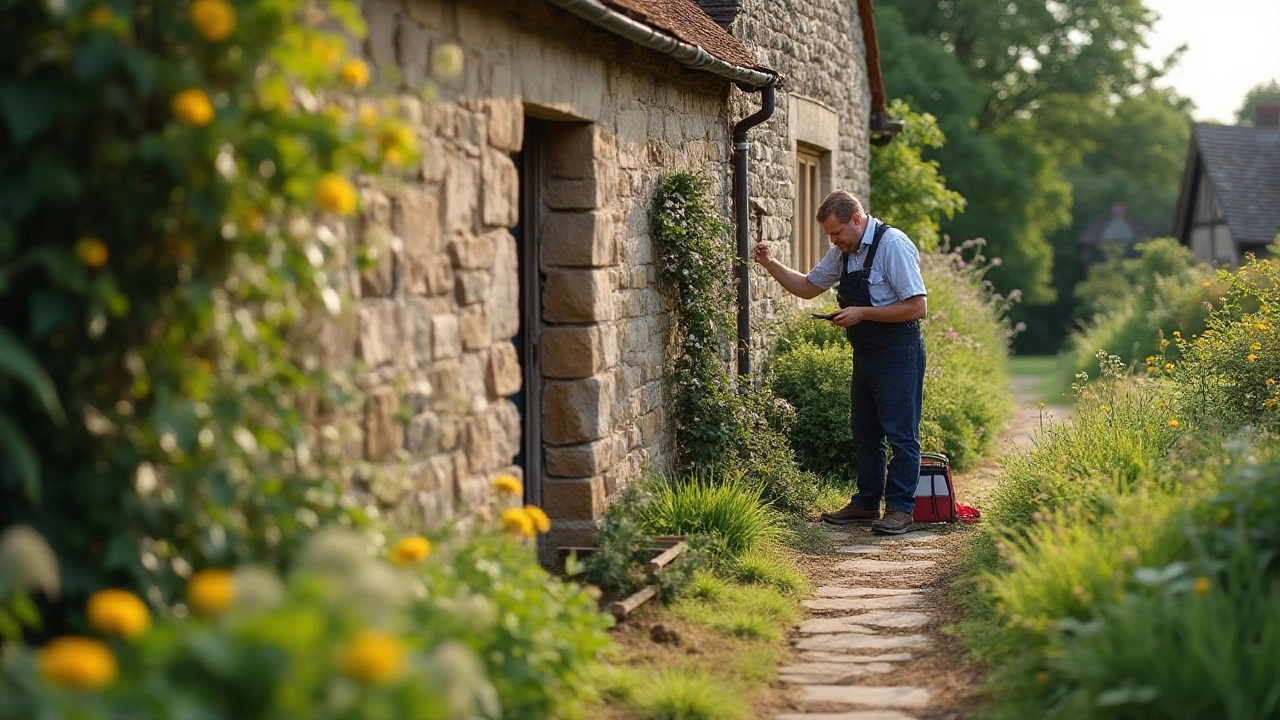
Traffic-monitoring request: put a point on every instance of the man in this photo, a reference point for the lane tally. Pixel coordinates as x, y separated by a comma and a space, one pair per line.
882, 300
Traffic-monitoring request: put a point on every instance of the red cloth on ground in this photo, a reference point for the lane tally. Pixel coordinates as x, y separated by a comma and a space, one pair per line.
967, 513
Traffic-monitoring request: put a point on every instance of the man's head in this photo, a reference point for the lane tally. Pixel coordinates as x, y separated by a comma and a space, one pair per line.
843, 220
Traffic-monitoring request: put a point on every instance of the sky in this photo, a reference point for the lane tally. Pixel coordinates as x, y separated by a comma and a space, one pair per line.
1232, 45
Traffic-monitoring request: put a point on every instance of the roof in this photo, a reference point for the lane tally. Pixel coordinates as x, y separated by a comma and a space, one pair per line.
1243, 164
1114, 226
685, 21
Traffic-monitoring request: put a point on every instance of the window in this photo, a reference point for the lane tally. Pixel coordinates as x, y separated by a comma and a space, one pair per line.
807, 240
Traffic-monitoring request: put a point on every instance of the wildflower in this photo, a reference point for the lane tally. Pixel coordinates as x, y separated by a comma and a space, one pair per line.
193, 107
100, 16
211, 591
117, 612
91, 251
1270, 382
1177, 335
1271, 403
213, 19
517, 522
335, 194
1173, 422
410, 551
1260, 326
1039, 404
446, 62
1150, 359
1201, 585
1168, 367
1251, 357
1256, 346
355, 73
541, 522
75, 662
373, 657
507, 485
1206, 283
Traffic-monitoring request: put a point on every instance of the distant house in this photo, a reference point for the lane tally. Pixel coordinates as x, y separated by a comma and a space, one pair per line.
1111, 234
1230, 201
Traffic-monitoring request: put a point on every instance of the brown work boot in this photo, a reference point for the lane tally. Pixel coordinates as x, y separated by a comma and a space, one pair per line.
850, 514
894, 522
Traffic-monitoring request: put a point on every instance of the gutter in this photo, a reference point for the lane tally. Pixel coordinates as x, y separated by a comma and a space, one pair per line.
690, 55
742, 222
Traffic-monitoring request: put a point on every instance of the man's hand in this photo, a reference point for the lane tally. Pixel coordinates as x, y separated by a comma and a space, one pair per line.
848, 317
762, 255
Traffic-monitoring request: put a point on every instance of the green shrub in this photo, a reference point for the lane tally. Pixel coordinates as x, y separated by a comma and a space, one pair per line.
814, 379
729, 511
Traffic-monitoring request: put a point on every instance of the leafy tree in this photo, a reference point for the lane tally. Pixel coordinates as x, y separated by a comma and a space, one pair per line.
1267, 92
908, 191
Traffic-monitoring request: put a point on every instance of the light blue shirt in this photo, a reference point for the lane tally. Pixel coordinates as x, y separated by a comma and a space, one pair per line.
895, 273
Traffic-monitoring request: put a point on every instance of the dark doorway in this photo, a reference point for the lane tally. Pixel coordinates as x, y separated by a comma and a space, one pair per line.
530, 161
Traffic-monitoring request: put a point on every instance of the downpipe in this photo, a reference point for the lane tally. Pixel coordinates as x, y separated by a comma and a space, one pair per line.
742, 221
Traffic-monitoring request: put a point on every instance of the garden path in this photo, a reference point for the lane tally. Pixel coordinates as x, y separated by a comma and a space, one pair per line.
875, 646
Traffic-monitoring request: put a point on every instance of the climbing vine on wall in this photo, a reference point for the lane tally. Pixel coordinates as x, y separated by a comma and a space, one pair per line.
695, 261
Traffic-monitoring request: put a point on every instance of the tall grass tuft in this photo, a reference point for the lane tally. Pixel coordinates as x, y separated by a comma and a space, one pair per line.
729, 511
681, 694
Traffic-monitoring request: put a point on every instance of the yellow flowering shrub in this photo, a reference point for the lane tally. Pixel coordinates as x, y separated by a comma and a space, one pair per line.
211, 591
410, 551
78, 663
118, 612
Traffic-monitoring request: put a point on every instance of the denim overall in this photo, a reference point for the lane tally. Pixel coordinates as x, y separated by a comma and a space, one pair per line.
886, 394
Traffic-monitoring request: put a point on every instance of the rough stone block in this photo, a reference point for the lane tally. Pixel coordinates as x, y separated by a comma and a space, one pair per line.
380, 333
431, 13
505, 376
578, 352
571, 152
461, 193
473, 327
581, 499
445, 339
578, 240
577, 411
417, 222
506, 124
382, 434
479, 446
380, 43
504, 301
577, 296
469, 252
578, 461
472, 286
501, 190
565, 194
573, 533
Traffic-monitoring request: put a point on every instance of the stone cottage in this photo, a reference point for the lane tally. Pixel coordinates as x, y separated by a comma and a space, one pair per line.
517, 326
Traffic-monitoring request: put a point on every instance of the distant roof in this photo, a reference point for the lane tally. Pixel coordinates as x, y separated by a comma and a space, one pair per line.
685, 21
1115, 226
1243, 163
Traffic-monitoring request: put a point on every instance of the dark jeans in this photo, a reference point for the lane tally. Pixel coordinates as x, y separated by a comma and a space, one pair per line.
888, 388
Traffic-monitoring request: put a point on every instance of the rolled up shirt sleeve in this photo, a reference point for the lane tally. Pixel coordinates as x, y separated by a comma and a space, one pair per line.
827, 272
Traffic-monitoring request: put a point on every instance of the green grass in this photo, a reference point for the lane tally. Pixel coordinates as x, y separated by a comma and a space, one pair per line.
687, 694
759, 568
729, 511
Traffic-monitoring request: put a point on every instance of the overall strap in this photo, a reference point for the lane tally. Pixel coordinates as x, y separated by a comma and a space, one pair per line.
875, 245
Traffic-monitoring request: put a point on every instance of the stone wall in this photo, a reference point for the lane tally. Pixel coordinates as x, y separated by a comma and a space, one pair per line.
436, 315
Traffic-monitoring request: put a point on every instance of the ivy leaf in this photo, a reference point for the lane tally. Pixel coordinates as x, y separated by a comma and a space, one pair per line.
18, 362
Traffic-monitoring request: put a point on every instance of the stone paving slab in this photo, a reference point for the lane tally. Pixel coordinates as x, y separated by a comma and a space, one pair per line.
887, 618
854, 641
818, 626
844, 657
854, 715
861, 549
923, 551
856, 604
830, 673
892, 697
838, 591
883, 566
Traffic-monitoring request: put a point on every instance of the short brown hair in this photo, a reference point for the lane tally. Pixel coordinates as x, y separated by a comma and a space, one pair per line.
840, 203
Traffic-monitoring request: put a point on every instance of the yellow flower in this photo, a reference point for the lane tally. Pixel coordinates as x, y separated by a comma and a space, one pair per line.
213, 19
91, 251
1201, 585
1150, 359
1177, 335
211, 591
517, 522
335, 194
354, 72
373, 657
117, 612
1039, 404
1173, 422
1255, 346
1271, 403
540, 520
1168, 367
1270, 382
507, 485
410, 551
100, 16
368, 116
1251, 357
193, 107
1206, 283
75, 662
1260, 326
